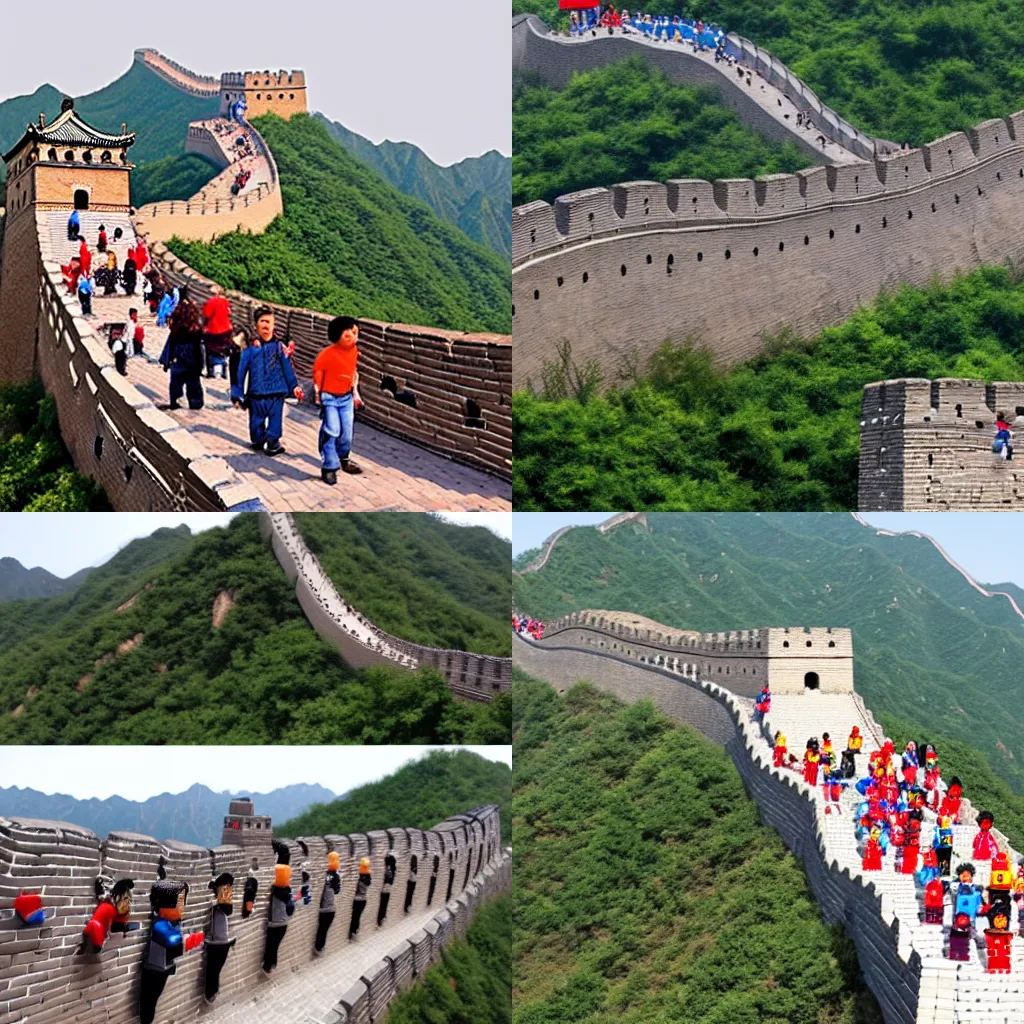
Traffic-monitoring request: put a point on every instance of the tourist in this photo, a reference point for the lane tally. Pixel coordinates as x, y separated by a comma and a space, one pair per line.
1003, 442
118, 232
265, 379
110, 274
985, 845
336, 391
86, 290
359, 902
218, 939
168, 304
85, 258
119, 347
71, 273
332, 888
282, 905
128, 272
183, 354
138, 334
74, 226
217, 333
141, 256
101, 241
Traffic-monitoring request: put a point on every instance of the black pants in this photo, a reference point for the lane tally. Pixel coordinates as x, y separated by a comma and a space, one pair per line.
382, 911
274, 939
326, 920
216, 956
121, 363
430, 891
358, 906
72, 232
942, 856
410, 888
152, 989
85, 298
128, 281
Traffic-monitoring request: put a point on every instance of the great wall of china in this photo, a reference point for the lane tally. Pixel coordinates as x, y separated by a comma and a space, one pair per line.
45, 977
900, 958
148, 459
620, 269
360, 642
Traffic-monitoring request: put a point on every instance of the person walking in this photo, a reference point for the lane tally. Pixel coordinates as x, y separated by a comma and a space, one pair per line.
217, 334
183, 355
86, 289
265, 379
74, 226
128, 273
336, 391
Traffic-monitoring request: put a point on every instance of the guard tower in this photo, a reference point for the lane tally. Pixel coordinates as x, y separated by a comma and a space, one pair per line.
243, 827
263, 92
64, 165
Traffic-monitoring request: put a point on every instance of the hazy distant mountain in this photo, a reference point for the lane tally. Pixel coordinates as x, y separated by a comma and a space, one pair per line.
195, 816
16, 581
474, 194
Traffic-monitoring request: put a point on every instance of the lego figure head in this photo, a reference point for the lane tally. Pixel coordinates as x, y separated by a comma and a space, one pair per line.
168, 899
121, 897
264, 318
998, 919
223, 887
876, 833
343, 329
333, 861
965, 872
282, 875
961, 923
364, 866
985, 820
956, 788
945, 823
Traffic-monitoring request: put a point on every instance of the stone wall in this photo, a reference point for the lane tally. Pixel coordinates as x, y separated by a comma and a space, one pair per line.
927, 446
45, 978
453, 375
175, 73
618, 270
359, 641
266, 92
200, 139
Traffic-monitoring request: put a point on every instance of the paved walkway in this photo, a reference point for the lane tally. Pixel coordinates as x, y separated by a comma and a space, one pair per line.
307, 994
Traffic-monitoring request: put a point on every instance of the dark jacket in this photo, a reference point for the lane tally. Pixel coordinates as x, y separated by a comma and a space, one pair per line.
269, 370
184, 351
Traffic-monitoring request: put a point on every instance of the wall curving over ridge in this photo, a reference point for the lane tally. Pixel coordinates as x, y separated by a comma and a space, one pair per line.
177, 74
361, 643
725, 263
49, 978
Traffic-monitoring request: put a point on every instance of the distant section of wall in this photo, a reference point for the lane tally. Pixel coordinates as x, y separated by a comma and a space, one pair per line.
173, 72
359, 641
45, 978
462, 382
926, 445
200, 139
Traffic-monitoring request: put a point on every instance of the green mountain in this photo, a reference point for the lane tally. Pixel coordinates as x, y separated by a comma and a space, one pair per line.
646, 888
135, 655
171, 177
16, 581
418, 795
472, 194
419, 577
349, 242
195, 816
927, 646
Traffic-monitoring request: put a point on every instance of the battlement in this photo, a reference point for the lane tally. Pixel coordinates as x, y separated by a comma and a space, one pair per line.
61, 862
177, 74
624, 517
926, 445
263, 92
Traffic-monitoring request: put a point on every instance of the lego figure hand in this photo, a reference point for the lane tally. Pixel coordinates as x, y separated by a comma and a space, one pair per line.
299, 393
236, 403
316, 397
193, 940
289, 349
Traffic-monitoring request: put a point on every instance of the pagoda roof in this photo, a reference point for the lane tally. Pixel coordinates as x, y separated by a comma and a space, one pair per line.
70, 130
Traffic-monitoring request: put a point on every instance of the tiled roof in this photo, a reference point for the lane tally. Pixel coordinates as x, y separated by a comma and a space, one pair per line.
70, 130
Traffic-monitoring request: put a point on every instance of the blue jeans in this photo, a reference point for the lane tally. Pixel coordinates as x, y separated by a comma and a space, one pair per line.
336, 417
216, 366
186, 381
265, 420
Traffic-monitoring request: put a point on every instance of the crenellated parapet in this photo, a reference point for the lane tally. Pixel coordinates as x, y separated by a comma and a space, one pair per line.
926, 445
61, 862
177, 74
361, 643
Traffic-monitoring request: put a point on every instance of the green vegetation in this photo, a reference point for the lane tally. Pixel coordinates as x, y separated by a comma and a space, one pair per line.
349, 242
646, 888
36, 474
898, 69
132, 656
628, 122
419, 577
173, 177
419, 795
776, 433
472, 984
472, 194
928, 648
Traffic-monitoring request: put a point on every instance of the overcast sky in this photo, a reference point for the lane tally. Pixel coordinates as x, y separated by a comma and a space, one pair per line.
434, 74
223, 769
978, 541
64, 542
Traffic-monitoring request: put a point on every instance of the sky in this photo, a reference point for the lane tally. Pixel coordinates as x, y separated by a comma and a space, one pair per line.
64, 542
436, 75
976, 540
222, 769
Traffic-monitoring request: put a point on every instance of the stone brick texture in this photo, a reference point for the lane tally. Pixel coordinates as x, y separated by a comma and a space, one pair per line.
45, 977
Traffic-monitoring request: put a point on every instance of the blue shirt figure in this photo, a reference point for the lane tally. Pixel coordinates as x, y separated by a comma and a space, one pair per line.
968, 900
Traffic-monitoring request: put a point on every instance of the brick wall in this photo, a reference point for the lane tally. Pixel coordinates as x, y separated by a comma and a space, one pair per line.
175, 73
44, 978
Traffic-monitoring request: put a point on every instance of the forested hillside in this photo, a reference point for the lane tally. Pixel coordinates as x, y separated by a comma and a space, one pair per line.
419, 795
646, 888
135, 656
472, 194
627, 122
927, 646
778, 432
18, 582
172, 177
349, 242
898, 69
419, 577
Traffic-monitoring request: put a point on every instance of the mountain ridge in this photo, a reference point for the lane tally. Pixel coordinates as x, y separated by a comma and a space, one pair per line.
17, 581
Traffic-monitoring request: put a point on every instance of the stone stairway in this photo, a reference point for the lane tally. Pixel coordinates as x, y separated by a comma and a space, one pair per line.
62, 249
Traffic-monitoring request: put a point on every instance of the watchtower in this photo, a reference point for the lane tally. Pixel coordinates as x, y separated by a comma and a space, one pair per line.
264, 92
243, 827
64, 165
